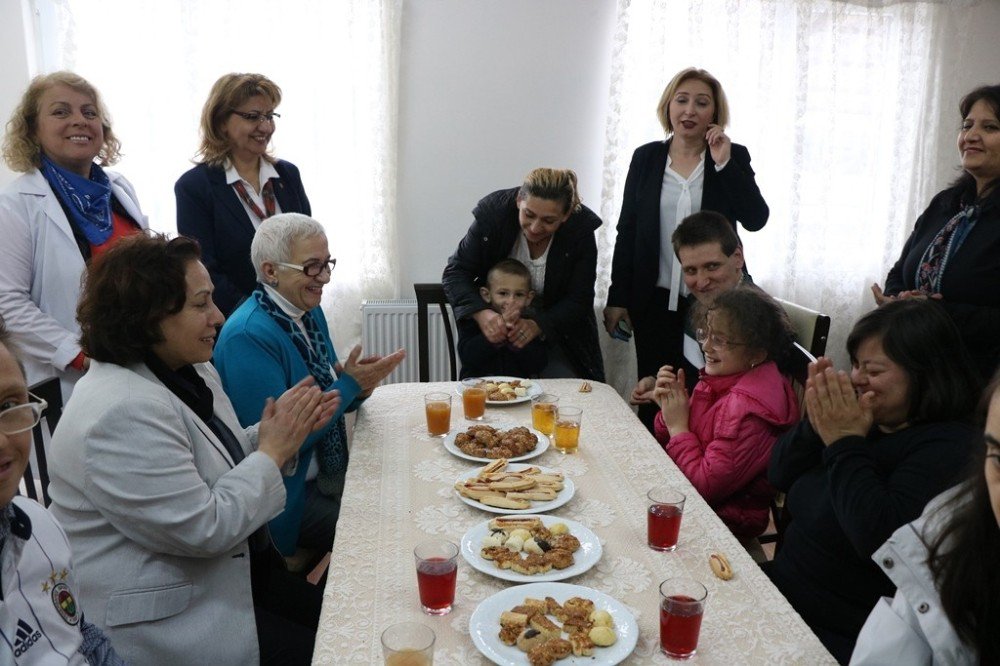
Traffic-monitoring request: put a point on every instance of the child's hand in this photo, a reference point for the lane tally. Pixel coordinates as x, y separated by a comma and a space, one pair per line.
672, 397
511, 314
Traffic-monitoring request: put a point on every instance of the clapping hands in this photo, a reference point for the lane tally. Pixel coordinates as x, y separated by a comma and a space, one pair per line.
835, 410
672, 397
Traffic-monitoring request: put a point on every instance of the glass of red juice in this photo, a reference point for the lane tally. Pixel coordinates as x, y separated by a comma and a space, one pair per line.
437, 569
682, 604
663, 517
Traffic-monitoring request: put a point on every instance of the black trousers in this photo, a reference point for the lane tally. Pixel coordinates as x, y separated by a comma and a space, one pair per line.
659, 340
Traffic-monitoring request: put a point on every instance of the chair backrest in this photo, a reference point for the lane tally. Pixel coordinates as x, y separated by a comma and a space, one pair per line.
427, 295
801, 358
49, 391
812, 328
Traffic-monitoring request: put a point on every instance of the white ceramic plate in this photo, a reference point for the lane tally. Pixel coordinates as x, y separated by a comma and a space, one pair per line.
484, 625
540, 447
565, 495
584, 558
533, 390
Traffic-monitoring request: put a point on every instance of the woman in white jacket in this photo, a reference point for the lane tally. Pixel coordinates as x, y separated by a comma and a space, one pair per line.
944, 566
64, 210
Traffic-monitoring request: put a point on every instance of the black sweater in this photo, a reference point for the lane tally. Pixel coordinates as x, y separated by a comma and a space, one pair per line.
845, 500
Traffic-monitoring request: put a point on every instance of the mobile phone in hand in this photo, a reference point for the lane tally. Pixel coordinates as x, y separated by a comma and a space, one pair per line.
622, 331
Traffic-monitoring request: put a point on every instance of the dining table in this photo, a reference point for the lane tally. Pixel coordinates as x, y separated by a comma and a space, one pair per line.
400, 491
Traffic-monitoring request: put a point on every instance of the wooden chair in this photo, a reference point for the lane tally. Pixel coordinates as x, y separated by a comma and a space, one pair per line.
812, 328
49, 391
427, 295
779, 514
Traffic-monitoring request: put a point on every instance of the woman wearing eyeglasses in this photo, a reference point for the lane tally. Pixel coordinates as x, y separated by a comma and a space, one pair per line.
40, 622
721, 437
237, 184
278, 335
878, 444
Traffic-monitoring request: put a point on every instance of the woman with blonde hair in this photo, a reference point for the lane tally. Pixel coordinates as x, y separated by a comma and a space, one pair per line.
237, 183
63, 210
543, 225
697, 167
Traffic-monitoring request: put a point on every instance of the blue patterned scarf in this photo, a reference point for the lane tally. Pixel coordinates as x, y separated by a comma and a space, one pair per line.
331, 451
944, 245
88, 200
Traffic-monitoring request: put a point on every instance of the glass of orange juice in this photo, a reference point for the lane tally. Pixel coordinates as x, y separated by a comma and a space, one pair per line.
437, 406
408, 644
473, 398
567, 437
543, 413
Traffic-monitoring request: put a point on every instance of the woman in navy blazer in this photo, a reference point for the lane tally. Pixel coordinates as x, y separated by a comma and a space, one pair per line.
223, 200
696, 168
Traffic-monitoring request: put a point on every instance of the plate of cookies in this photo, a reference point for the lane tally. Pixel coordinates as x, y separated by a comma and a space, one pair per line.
483, 443
502, 390
517, 488
528, 549
553, 623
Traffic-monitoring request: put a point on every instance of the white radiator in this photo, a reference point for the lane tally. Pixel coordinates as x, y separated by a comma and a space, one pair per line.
387, 325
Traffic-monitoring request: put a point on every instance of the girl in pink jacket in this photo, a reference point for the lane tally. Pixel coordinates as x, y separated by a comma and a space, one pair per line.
722, 434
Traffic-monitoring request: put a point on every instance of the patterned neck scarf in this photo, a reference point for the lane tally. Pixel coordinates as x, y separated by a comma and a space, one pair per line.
331, 451
930, 270
88, 200
266, 193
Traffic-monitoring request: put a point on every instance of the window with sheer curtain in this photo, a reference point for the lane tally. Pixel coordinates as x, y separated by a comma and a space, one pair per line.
844, 108
336, 63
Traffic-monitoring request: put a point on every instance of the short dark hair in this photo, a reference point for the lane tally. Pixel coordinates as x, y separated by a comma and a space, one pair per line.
706, 226
962, 558
6, 342
912, 333
509, 267
128, 291
758, 321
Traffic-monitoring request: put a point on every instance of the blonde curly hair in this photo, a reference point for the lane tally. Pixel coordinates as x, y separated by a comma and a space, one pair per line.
21, 150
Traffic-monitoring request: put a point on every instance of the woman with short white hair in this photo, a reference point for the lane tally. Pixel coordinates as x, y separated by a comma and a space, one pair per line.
275, 337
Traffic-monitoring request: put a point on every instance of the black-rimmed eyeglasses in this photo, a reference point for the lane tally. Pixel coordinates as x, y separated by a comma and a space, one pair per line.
312, 269
256, 117
23, 417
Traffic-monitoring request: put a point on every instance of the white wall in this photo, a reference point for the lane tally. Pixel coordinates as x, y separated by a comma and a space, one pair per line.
488, 91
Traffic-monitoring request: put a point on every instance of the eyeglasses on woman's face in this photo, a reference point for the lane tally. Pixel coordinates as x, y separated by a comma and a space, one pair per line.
718, 341
257, 117
14, 420
312, 268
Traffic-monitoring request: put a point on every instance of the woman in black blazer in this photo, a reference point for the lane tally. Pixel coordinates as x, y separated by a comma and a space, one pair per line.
237, 184
542, 224
696, 168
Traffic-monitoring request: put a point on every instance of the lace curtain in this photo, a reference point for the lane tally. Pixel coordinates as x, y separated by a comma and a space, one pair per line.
337, 66
848, 111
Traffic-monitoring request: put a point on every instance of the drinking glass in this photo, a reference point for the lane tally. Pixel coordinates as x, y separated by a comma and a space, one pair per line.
663, 517
682, 604
437, 570
543, 413
408, 644
437, 407
567, 435
473, 399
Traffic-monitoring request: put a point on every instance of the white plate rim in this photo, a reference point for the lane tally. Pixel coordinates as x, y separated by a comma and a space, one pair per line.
589, 542
533, 390
487, 614
564, 495
541, 447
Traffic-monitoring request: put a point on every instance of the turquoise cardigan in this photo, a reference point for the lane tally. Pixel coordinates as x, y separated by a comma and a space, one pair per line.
257, 360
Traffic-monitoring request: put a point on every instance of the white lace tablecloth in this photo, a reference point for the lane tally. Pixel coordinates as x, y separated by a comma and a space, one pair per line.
399, 492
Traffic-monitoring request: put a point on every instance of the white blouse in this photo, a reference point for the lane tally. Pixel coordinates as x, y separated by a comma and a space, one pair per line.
535, 266
679, 197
